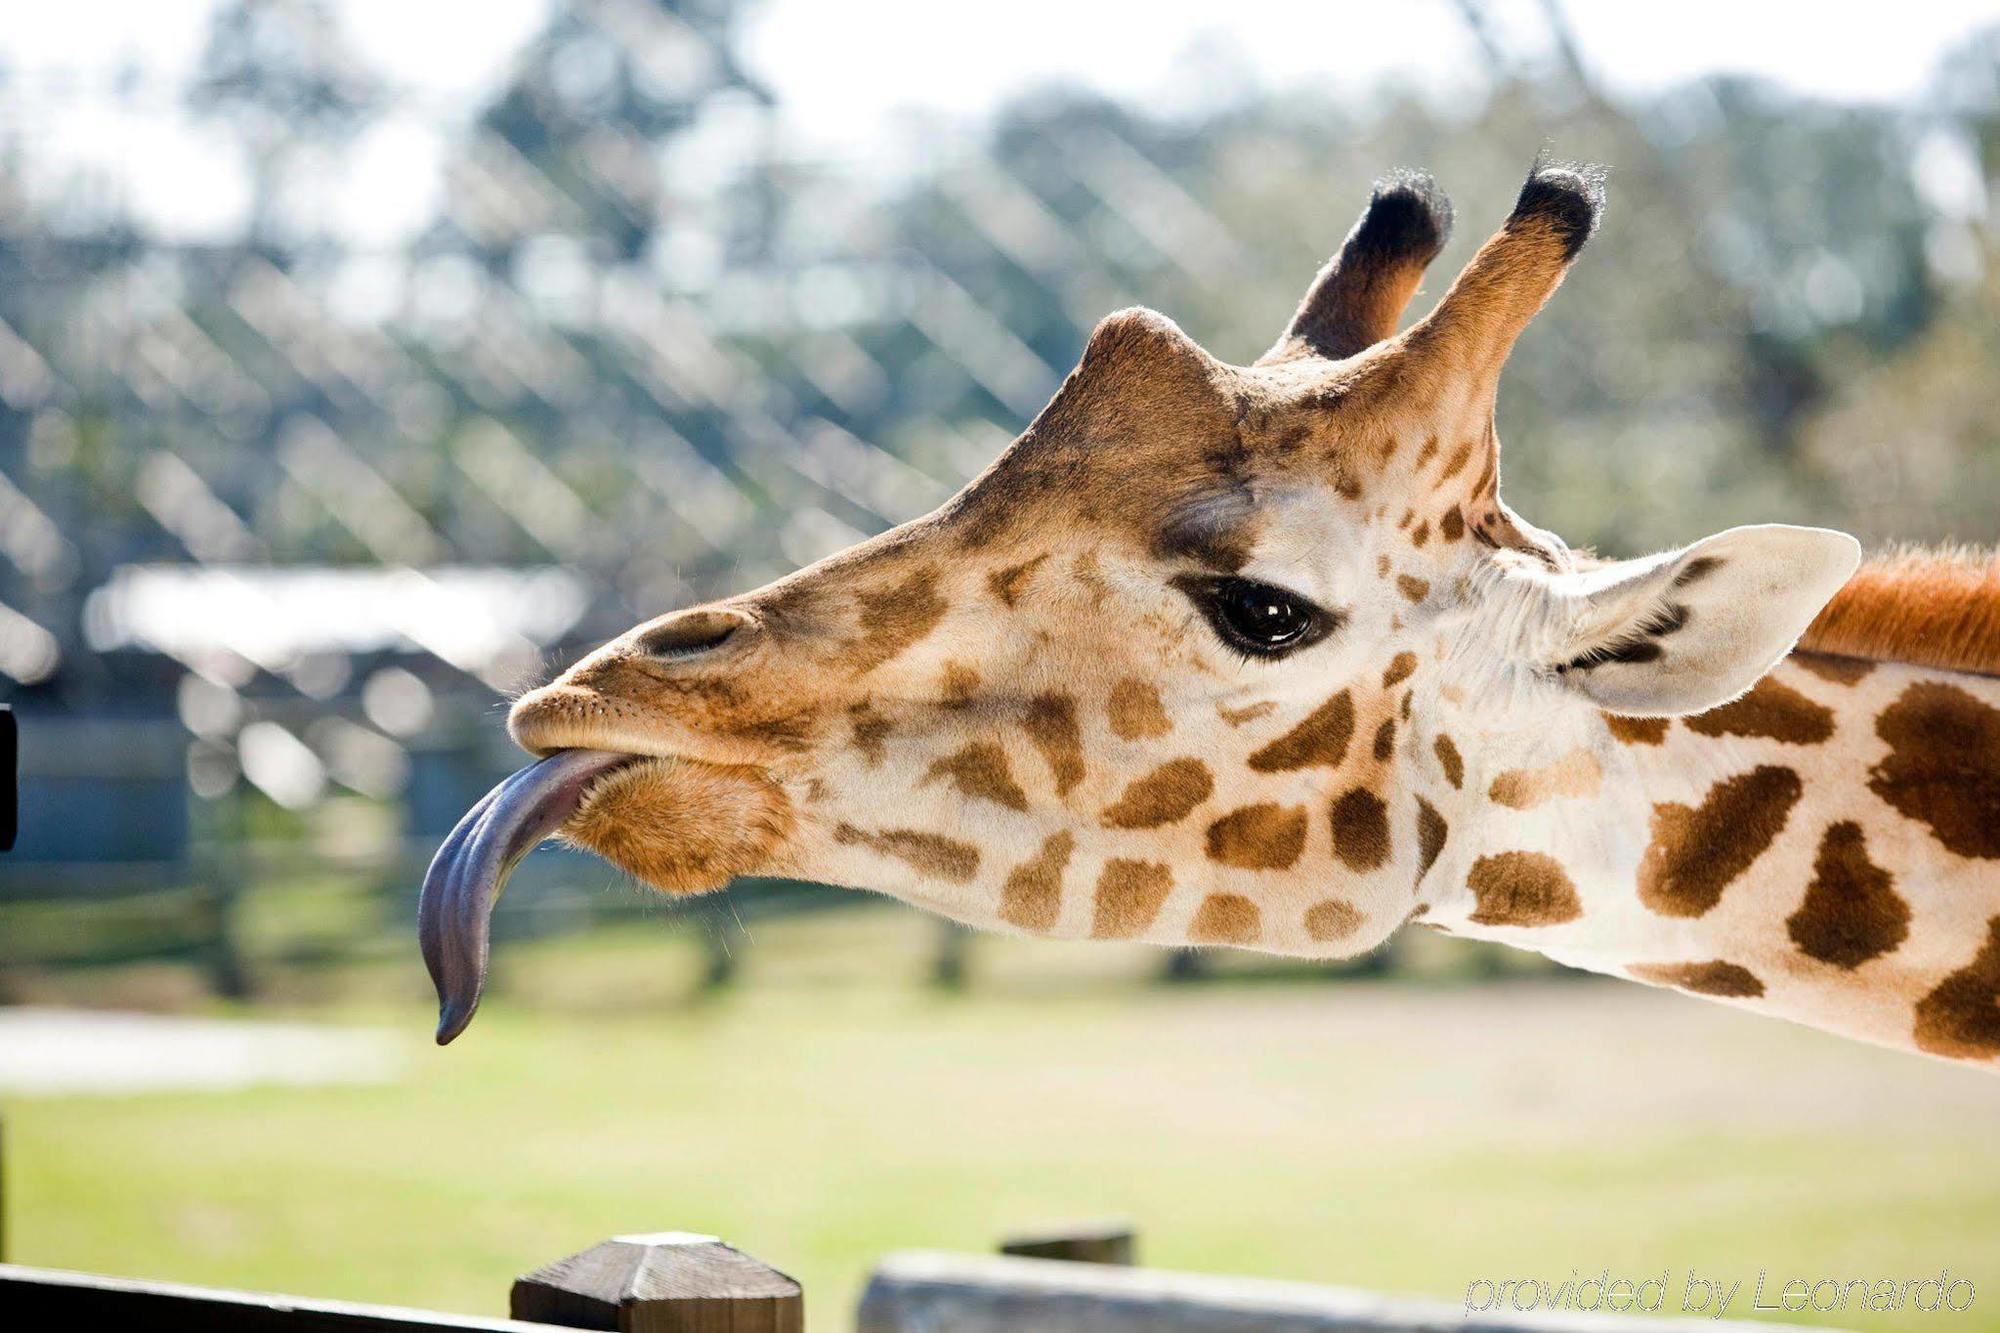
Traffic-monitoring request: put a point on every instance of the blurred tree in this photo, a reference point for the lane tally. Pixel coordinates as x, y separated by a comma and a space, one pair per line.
279, 76
630, 112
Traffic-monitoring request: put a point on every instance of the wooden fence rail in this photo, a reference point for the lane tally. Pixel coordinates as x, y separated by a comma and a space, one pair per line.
923, 1292
672, 1282
49, 1298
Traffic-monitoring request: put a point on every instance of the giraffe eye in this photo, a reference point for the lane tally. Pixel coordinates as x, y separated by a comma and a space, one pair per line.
1257, 619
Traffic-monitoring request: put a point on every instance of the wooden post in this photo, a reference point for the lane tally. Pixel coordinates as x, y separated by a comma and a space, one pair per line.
219, 870
719, 944
667, 1282
1105, 1242
1184, 965
948, 964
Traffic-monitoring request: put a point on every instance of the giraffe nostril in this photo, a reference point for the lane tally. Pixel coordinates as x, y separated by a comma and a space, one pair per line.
690, 633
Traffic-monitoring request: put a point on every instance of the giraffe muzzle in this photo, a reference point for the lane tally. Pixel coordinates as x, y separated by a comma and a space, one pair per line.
471, 867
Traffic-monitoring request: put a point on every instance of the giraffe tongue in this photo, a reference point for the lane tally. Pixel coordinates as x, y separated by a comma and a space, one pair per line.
469, 870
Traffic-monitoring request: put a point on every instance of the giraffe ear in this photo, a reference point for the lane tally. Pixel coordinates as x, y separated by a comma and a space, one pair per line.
1685, 631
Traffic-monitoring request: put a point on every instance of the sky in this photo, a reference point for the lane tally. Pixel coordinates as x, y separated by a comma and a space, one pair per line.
846, 74
962, 58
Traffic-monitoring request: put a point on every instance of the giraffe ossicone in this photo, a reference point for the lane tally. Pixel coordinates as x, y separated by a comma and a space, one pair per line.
1257, 655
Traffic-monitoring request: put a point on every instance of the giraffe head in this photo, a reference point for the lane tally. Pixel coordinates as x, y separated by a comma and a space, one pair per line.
1178, 666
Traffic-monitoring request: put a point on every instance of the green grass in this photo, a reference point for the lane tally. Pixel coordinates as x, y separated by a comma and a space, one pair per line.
1400, 1137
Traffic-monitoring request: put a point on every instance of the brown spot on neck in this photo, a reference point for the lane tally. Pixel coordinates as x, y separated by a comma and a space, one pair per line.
980, 771
1265, 836
931, 853
958, 687
1399, 669
1943, 766
1007, 583
1637, 730
1851, 911
1452, 526
1136, 712
1449, 760
1166, 795
1485, 485
1360, 829
1051, 726
1318, 742
1129, 895
1332, 919
1415, 589
1960, 1019
1431, 834
1695, 853
1226, 918
1460, 456
871, 731
1385, 740
1772, 710
1522, 889
1716, 978
893, 618
1032, 896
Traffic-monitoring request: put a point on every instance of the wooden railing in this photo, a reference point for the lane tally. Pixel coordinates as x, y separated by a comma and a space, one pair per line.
675, 1282
672, 1282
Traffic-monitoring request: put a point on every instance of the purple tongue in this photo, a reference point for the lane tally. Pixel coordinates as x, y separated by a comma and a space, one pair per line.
468, 871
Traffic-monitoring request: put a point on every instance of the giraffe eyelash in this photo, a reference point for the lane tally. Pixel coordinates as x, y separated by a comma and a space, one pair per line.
1256, 620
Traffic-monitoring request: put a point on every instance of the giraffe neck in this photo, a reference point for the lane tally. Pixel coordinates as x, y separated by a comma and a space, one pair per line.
1825, 849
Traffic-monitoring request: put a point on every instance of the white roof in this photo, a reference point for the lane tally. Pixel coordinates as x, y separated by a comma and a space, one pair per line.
473, 617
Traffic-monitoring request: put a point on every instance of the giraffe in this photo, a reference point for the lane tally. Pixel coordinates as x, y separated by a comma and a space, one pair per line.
1257, 656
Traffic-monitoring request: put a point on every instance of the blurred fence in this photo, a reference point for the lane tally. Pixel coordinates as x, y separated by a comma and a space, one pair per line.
584, 383
284, 514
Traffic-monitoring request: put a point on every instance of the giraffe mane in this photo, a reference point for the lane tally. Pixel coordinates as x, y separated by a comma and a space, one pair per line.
1926, 606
